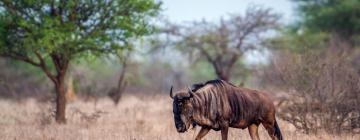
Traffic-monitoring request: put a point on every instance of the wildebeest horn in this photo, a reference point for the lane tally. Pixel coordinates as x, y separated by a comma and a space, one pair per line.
171, 93
190, 92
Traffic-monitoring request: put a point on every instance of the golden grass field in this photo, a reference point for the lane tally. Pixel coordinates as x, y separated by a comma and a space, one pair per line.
135, 118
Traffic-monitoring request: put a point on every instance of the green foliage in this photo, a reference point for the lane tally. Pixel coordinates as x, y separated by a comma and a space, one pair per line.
72, 27
321, 21
339, 16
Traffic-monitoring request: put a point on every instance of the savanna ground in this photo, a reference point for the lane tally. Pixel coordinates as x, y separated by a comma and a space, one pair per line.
136, 117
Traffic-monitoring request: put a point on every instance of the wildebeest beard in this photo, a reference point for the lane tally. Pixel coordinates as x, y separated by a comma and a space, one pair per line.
176, 110
181, 115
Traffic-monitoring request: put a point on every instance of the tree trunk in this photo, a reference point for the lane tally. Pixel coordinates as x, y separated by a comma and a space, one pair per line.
224, 77
60, 100
221, 74
116, 93
223, 69
61, 64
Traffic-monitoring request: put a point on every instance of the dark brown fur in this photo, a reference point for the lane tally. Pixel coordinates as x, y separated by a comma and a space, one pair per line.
219, 105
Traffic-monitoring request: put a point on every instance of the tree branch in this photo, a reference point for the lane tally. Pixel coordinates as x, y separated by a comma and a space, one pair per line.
21, 58
43, 66
204, 52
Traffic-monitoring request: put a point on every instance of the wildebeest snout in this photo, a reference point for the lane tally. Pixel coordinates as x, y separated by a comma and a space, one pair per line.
181, 129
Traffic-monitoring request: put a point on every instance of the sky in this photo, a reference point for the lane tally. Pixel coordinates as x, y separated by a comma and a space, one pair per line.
212, 10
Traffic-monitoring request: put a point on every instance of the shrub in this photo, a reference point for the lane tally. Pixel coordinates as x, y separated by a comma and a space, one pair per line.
323, 87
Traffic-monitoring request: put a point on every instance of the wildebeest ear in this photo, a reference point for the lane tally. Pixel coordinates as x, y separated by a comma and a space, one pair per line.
190, 93
171, 93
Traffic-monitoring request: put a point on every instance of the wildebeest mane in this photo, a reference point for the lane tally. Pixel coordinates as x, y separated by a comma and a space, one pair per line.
197, 86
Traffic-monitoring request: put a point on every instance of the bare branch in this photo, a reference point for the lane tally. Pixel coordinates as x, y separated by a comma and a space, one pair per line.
222, 44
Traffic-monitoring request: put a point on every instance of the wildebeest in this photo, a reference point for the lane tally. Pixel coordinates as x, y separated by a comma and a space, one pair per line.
219, 105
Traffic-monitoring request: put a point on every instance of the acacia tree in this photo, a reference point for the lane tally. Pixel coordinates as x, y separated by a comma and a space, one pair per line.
223, 44
50, 33
123, 58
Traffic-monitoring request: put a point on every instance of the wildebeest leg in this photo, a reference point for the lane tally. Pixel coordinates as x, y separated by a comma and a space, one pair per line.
224, 133
253, 130
202, 133
270, 129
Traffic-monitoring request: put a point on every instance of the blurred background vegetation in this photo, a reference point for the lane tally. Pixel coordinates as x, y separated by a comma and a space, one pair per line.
311, 66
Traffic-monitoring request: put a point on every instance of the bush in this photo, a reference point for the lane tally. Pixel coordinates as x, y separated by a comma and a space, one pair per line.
323, 87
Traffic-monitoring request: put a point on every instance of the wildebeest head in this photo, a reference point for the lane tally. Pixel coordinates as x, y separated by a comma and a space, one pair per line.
182, 109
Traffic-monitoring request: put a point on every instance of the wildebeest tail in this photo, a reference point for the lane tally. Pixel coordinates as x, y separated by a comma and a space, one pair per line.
277, 131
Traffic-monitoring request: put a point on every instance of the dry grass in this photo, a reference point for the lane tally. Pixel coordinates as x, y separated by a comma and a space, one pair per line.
135, 118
